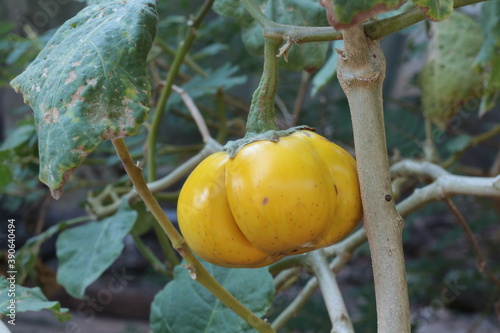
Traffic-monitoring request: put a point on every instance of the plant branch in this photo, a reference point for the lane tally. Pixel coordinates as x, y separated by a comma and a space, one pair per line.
167, 88
199, 272
380, 28
430, 151
444, 185
187, 59
480, 258
166, 247
198, 118
298, 302
348, 245
410, 168
472, 143
375, 30
337, 311
257, 14
163, 183
343, 252
495, 166
361, 71
156, 263
286, 278
304, 83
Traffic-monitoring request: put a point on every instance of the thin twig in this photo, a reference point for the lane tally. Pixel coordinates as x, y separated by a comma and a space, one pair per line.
495, 166
195, 112
474, 141
146, 252
444, 185
286, 278
410, 168
298, 302
40, 221
187, 58
430, 151
166, 246
287, 116
304, 83
161, 184
332, 296
167, 88
480, 258
221, 115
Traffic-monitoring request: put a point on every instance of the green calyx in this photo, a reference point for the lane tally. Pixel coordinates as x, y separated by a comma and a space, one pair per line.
233, 147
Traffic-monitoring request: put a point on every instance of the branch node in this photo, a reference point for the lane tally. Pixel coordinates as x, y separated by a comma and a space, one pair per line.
285, 50
368, 79
341, 53
496, 183
192, 271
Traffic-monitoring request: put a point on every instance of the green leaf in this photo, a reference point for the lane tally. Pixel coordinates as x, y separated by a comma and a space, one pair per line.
210, 50
343, 14
5, 175
328, 71
186, 306
20, 50
295, 12
488, 59
448, 79
6, 27
18, 136
28, 253
89, 84
435, 10
221, 78
458, 143
5, 169
86, 251
28, 299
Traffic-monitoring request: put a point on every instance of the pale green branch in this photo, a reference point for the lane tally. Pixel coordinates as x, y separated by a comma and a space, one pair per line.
146, 252
334, 302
